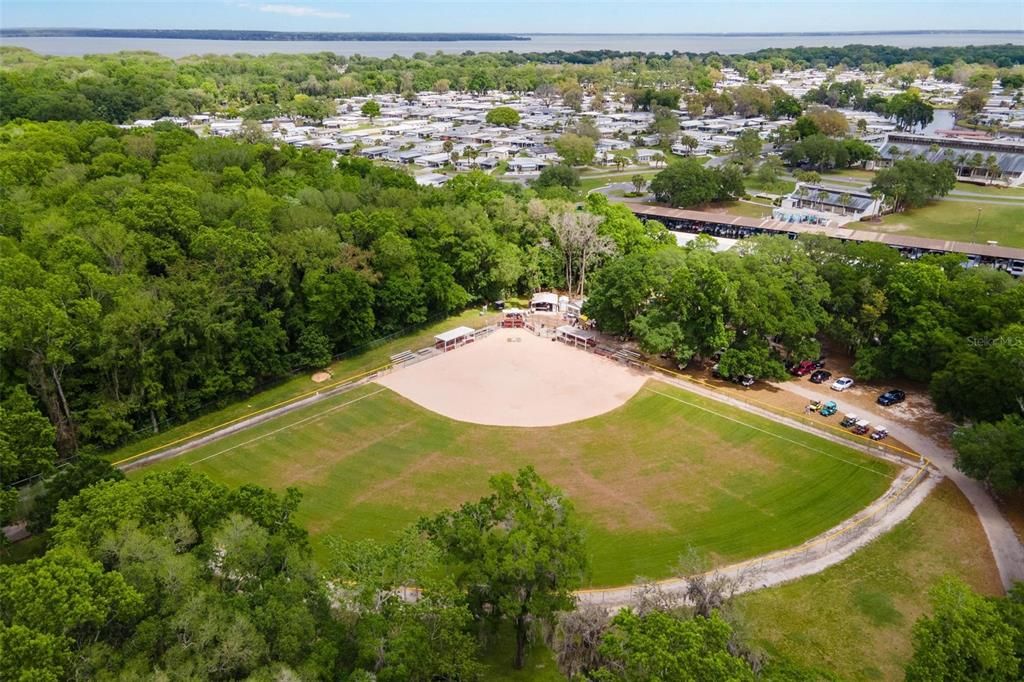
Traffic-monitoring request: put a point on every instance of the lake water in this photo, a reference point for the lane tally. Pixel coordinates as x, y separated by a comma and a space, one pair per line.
726, 44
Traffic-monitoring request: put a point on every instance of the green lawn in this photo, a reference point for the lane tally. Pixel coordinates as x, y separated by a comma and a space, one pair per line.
31, 547
540, 665
955, 220
589, 183
995, 191
663, 472
783, 186
744, 208
302, 383
855, 619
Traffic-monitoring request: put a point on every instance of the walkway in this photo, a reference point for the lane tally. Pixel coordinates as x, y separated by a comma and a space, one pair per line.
1006, 546
814, 556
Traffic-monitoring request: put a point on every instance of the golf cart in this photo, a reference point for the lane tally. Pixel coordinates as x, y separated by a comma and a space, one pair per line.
880, 433
828, 409
814, 405
848, 421
861, 427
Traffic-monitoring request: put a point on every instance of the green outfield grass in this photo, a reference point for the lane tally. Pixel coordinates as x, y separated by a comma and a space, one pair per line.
855, 619
368, 359
665, 471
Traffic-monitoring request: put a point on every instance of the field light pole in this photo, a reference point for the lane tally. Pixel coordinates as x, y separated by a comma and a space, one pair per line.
976, 221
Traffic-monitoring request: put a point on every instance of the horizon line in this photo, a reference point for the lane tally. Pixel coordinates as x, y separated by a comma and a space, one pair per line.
820, 32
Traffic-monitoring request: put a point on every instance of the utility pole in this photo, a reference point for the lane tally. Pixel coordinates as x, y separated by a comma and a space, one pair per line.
977, 220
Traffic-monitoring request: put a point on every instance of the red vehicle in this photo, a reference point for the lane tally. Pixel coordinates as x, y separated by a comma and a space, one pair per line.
802, 368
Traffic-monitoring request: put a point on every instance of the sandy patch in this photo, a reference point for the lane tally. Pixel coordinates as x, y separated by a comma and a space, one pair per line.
321, 377
530, 382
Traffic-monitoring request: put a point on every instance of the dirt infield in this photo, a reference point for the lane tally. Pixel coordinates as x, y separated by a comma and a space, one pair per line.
513, 378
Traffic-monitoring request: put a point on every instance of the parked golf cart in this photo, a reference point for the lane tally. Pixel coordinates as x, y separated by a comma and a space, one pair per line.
861, 427
880, 433
848, 421
828, 409
814, 405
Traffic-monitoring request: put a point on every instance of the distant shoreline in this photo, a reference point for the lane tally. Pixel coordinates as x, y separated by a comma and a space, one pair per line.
269, 36
381, 36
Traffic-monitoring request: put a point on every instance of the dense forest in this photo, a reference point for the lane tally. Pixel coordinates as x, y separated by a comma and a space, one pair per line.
121, 88
147, 274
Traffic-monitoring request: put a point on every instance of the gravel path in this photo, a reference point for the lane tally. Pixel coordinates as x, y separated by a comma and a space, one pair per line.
814, 556
1006, 547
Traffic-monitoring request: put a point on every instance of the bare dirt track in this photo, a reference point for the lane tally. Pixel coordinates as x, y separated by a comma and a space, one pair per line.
514, 378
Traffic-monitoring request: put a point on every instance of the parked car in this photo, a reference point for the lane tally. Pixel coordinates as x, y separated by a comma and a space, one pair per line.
842, 383
820, 376
802, 368
828, 409
714, 371
745, 380
891, 397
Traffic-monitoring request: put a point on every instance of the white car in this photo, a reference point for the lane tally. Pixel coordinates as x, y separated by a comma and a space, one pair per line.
842, 383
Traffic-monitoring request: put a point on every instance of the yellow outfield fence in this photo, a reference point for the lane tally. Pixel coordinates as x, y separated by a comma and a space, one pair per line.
355, 378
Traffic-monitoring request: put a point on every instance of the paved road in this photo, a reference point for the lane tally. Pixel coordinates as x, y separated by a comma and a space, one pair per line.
1006, 547
621, 187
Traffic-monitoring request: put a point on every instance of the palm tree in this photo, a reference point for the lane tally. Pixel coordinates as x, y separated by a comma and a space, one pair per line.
802, 192
961, 159
992, 168
822, 198
845, 200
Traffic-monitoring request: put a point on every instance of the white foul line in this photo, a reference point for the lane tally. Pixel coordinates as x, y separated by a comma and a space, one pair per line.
774, 435
286, 427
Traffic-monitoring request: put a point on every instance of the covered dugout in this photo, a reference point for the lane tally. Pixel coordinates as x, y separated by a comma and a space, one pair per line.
577, 337
513, 318
453, 338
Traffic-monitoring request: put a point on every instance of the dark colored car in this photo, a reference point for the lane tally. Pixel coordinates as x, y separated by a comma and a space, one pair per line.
802, 368
820, 376
745, 380
891, 397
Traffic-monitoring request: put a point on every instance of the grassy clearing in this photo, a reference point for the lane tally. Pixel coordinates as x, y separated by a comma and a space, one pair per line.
303, 383
20, 552
590, 183
743, 208
540, 663
855, 619
995, 191
663, 472
955, 220
780, 187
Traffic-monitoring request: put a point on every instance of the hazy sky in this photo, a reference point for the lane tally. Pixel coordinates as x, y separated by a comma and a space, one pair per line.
558, 16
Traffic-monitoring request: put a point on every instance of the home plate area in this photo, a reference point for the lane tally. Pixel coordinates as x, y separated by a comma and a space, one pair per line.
514, 378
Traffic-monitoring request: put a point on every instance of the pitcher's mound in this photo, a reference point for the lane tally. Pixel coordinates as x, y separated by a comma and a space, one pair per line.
527, 382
